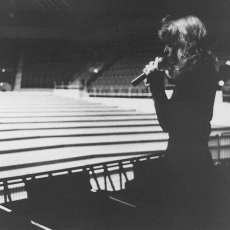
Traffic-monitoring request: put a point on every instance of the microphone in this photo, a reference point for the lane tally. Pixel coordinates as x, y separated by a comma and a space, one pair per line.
162, 62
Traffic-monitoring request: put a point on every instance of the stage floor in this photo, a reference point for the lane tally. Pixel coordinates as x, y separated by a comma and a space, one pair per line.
40, 131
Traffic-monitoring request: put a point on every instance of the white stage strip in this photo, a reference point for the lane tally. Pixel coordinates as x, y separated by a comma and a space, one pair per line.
56, 143
75, 131
24, 126
45, 155
58, 154
76, 119
62, 113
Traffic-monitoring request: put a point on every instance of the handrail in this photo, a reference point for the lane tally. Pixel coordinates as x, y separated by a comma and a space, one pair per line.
110, 175
119, 91
92, 169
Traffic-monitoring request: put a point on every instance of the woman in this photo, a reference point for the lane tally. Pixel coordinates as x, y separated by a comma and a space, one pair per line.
187, 114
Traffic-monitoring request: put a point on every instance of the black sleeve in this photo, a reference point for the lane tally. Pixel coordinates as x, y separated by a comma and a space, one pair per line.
163, 111
161, 102
191, 105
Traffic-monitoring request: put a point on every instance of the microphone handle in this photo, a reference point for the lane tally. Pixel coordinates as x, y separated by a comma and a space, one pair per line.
138, 79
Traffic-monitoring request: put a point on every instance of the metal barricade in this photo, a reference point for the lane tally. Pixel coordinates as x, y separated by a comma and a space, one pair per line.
109, 176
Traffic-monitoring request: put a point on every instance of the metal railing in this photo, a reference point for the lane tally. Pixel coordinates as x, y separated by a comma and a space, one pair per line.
219, 146
108, 176
119, 91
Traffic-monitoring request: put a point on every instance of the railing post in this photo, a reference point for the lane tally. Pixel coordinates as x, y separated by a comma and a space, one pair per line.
218, 147
120, 174
105, 174
95, 178
110, 179
6, 192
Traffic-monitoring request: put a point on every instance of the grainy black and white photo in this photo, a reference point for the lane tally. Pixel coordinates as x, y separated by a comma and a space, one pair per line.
114, 115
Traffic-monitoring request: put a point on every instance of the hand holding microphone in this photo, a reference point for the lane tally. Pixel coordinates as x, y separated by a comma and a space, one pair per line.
153, 66
150, 68
153, 74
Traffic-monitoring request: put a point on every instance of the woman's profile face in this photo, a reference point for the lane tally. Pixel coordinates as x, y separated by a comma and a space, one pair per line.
173, 53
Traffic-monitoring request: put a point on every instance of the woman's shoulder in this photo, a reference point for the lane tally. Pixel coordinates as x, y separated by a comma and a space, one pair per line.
209, 63
205, 67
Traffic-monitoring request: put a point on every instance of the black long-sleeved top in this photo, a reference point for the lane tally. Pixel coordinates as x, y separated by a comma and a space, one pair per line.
187, 114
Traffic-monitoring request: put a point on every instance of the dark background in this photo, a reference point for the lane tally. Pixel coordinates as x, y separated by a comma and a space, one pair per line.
100, 21
71, 32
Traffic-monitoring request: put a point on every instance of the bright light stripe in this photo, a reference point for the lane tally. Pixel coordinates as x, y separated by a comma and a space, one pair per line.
112, 164
77, 170
42, 176
131, 205
19, 185
128, 166
99, 171
13, 181
126, 162
98, 166
5, 209
60, 173
39, 225
155, 157
113, 168
143, 159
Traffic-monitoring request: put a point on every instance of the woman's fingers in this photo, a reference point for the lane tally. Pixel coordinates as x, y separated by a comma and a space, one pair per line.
152, 66
148, 68
155, 63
